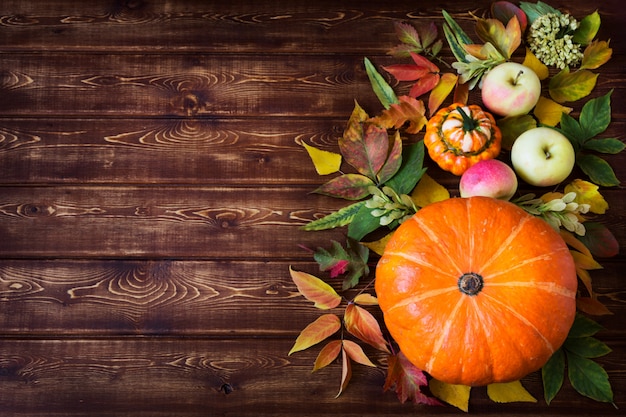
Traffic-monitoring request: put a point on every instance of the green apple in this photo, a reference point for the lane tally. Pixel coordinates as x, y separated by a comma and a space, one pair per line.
510, 89
542, 156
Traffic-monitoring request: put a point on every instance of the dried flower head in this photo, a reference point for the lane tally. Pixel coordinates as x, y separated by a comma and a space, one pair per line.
550, 39
388, 206
563, 211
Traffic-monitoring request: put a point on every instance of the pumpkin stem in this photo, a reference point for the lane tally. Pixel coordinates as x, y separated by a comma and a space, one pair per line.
470, 283
468, 123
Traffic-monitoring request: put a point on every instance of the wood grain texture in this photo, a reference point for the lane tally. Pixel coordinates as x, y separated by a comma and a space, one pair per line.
152, 188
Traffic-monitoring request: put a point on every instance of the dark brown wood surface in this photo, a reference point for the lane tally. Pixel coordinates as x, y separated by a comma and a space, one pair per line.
152, 185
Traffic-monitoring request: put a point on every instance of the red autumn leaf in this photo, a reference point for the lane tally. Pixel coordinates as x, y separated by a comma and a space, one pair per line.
592, 306
600, 240
394, 160
424, 72
355, 352
346, 371
363, 325
315, 290
424, 84
407, 381
346, 186
406, 72
408, 110
367, 154
327, 355
320, 329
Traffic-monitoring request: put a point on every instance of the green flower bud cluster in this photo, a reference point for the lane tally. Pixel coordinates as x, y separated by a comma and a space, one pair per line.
558, 212
550, 39
388, 206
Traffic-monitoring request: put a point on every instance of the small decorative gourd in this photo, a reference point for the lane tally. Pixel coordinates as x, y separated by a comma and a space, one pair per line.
476, 291
460, 135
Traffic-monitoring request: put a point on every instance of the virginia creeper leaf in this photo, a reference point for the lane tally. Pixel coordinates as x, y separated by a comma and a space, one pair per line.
381, 88
549, 112
335, 260
408, 109
587, 193
410, 171
339, 218
587, 29
315, 290
347, 186
408, 34
553, 374
505, 10
456, 395
513, 126
366, 299
509, 392
595, 115
607, 145
596, 54
600, 240
325, 162
591, 305
571, 86
441, 91
505, 39
532, 62
363, 325
346, 371
589, 378
407, 381
320, 329
587, 347
368, 154
394, 160
355, 352
327, 355
428, 191
598, 170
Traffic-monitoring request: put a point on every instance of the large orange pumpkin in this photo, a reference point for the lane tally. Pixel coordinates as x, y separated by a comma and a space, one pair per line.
476, 291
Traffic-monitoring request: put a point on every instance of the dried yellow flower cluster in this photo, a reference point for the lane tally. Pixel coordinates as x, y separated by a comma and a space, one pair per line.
550, 39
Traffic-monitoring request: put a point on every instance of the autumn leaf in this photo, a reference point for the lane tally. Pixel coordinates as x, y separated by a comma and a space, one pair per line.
363, 325
571, 240
509, 392
418, 38
428, 191
378, 246
381, 88
339, 218
456, 395
407, 381
355, 352
442, 90
505, 39
366, 299
591, 305
367, 154
596, 54
408, 109
549, 112
513, 126
587, 29
505, 10
325, 162
532, 62
315, 290
351, 261
571, 86
585, 262
600, 240
393, 162
346, 186
587, 193
320, 329
354, 129
327, 355
346, 371
423, 71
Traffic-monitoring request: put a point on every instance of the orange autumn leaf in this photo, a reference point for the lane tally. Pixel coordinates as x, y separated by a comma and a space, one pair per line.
323, 327
346, 371
441, 91
596, 54
315, 290
592, 306
363, 325
572, 241
408, 109
327, 355
355, 352
505, 39
366, 299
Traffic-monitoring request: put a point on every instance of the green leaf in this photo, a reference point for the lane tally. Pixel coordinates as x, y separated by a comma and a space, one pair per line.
338, 218
553, 374
534, 10
411, 169
598, 170
347, 186
587, 29
363, 223
583, 327
572, 130
587, 347
589, 378
595, 115
513, 126
456, 37
609, 145
571, 86
381, 88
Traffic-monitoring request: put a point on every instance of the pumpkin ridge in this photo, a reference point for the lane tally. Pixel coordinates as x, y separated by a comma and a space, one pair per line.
421, 262
444, 333
525, 262
433, 238
504, 245
423, 296
524, 320
544, 286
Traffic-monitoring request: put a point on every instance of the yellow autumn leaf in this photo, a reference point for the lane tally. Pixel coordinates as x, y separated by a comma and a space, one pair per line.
509, 392
456, 395
575, 243
587, 193
532, 62
549, 111
378, 246
325, 162
428, 191
583, 261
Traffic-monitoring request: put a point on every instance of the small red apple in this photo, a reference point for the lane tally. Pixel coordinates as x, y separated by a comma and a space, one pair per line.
489, 178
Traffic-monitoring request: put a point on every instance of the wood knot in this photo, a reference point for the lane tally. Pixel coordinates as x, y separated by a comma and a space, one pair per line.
187, 103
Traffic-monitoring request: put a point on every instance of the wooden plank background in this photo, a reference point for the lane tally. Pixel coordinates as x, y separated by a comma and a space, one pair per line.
152, 185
